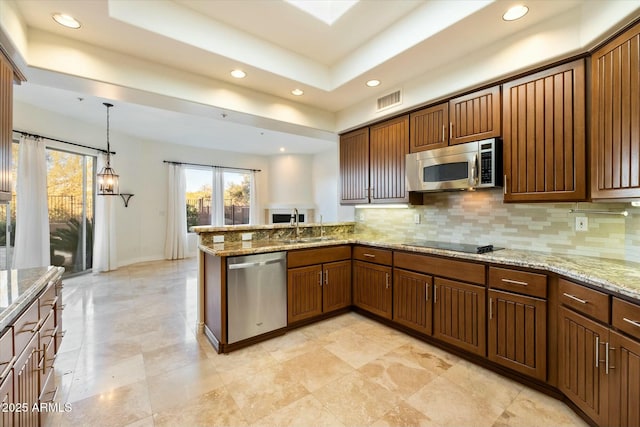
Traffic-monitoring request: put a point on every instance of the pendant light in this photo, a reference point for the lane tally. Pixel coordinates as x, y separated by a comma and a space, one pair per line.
107, 177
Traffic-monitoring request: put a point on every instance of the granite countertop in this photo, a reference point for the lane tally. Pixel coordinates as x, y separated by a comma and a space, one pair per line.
622, 277
18, 289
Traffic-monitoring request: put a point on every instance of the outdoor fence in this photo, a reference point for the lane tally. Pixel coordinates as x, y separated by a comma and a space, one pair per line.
199, 212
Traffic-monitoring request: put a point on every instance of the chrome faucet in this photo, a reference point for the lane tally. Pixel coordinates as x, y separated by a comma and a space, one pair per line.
321, 228
297, 224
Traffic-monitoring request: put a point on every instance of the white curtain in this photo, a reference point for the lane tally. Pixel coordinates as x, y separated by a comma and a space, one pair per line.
254, 212
32, 211
217, 198
104, 244
175, 246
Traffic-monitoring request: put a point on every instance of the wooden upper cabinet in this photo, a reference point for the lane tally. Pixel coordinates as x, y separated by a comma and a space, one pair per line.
429, 128
544, 136
475, 116
6, 126
615, 118
388, 147
354, 167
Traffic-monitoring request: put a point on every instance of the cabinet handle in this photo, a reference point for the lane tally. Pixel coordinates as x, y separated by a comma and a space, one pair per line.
505, 184
387, 279
490, 308
607, 357
633, 322
597, 351
369, 255
515, 282
575, 298
326, 277
443, 130
426, 291
450, 130
6, 370
320, 278
435, 294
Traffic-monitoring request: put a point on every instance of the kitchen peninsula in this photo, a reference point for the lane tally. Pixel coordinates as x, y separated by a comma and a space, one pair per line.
531, 316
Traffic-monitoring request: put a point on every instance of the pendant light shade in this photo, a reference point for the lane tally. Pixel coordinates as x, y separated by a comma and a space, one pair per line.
107, 177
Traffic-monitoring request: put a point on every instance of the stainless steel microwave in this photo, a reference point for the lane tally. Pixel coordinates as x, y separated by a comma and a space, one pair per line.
472, 165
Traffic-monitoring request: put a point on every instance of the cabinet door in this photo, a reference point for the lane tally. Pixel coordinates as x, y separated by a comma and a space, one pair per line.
518, 333
389, 145
6, 126
475, 116
372, 288
459, 315
411, 300
6, 400
615, 117
624, 409
304, 293
429, 128
354, 167
582, 371
336, 291
544, 137
27, 384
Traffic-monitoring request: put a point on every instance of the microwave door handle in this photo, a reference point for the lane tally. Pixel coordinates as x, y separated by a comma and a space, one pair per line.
474, 171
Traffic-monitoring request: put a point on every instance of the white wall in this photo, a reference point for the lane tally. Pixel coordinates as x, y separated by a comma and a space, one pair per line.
326, 188
291, 186
141, 226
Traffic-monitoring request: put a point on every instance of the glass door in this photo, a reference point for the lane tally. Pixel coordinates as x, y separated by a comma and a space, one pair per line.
71, 209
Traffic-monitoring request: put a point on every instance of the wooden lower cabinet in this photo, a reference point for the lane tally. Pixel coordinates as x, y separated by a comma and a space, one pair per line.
336, 288
459, 315
582, 370
27, 385
6, 400
317, 289
518, 333
624, 386
372, 289
412, 301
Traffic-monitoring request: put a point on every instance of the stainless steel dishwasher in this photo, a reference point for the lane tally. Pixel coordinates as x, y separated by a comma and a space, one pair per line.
256, 295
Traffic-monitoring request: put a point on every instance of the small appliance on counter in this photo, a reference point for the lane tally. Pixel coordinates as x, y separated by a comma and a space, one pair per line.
456, 247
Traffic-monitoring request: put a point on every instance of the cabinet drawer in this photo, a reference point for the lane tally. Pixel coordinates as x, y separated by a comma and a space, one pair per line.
521, 282
378, 256
584, 300
48, 329
25, 328
304, 257
626, 317
47, 300
443, 267
6, 352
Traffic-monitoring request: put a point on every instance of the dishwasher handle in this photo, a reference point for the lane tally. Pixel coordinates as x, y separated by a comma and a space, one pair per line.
254, 264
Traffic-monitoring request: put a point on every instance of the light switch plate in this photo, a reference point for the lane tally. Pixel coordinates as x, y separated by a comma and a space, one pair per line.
416, 218
247, 236
218, 239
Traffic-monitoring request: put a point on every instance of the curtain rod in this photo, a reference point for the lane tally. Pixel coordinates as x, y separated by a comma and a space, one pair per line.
23, 133
211, 166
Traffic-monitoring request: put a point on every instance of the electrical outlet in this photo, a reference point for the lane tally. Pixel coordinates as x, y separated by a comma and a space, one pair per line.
218, 239
416, 218
582, 223
247, 236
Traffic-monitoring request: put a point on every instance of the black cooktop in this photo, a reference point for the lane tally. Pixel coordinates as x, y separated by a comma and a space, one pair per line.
457, 247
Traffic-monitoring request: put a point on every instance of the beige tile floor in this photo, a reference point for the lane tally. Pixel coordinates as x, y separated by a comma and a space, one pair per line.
131, 357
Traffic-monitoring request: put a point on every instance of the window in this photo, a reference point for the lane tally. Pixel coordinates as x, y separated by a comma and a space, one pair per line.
234, 197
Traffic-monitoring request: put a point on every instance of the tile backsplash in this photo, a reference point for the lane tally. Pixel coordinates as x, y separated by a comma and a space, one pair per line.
481, 217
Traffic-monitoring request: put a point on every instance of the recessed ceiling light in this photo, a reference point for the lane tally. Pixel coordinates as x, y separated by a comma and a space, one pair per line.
282, 149
297, 92
238, 74
373, 83
515, 12
66, 20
